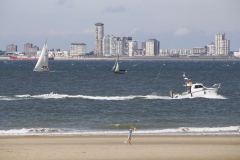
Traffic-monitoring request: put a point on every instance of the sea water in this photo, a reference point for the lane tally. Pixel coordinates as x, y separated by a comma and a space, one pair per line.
86, 98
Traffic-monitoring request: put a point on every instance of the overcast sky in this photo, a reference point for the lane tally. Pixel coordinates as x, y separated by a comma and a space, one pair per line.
175, 23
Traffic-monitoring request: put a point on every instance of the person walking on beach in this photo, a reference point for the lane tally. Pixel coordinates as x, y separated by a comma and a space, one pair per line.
130, 135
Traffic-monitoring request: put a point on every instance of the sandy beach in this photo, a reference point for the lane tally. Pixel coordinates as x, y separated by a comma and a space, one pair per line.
113, 147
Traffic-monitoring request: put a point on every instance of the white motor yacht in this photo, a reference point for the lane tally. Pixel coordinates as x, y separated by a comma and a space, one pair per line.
195, 90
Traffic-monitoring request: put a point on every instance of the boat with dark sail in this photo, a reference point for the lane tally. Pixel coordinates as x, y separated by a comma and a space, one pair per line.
116, 67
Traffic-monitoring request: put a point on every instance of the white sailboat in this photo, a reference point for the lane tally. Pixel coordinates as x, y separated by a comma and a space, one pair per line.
116, 68
42, 63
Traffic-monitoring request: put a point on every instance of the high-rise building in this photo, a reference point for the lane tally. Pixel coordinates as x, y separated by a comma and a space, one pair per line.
125, 45
106, 45
222, 46
77, 49
99, 33
115, 46
211, 49
112, 46
27, 48
132, 46
11, 48
30, 50
225, 47
152, 47
118, 46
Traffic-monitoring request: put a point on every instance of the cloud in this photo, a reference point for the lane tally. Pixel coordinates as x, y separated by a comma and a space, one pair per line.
62, 2
62, 33
67, 3
86, 31
20, 33
114, 9
57, 33
182, 32
135, 30
50, 32
208, 32
66, 33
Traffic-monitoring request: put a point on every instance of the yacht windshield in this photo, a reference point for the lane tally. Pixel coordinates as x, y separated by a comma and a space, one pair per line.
198, 86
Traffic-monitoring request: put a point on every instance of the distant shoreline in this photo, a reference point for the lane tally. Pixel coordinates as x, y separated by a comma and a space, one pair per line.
146, 58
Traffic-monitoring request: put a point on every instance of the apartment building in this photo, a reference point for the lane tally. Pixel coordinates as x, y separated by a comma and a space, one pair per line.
132, 46
222, 45
30, 50
99, 34
152, 47
11, 48
77, 49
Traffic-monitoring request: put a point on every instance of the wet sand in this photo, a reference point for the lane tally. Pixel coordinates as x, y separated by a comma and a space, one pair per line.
113, 147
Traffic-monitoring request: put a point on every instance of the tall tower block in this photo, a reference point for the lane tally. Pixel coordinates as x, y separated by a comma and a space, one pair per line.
99, 33
218, 43
222, 45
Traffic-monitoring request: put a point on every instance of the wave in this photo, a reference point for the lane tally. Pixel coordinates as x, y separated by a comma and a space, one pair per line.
231, 130
111, 98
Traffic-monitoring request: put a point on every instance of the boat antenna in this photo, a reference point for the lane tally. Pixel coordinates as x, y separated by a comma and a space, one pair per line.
185, 78
164, 59
180, 22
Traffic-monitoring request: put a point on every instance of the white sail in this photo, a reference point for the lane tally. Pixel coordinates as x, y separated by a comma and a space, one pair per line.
45, 60
117, 67
42, 63
114, 65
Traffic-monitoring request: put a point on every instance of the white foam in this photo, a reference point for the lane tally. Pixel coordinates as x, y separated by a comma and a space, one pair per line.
215, 97
156, 97
50, 96
25, 95
231, 130
61, 96
128, 97
5, 98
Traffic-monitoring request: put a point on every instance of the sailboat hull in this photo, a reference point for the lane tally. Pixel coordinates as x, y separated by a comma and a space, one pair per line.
120, 72
41, 70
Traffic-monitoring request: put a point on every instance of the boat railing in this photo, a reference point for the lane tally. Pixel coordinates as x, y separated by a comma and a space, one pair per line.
216, 85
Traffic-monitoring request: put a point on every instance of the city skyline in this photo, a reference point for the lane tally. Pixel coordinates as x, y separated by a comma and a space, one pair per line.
176, 24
